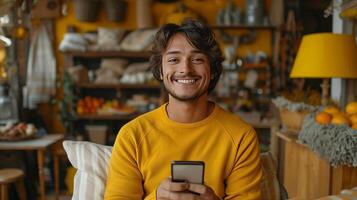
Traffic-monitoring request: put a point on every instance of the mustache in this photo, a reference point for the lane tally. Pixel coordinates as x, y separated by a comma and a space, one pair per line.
185, 76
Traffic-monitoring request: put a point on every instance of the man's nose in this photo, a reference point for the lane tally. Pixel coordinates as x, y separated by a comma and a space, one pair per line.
185, 67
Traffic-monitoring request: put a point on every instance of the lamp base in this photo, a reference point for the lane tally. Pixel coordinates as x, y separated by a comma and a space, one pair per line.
325, 87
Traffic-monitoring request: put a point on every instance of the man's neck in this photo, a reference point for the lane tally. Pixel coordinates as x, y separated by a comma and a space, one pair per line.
188, 111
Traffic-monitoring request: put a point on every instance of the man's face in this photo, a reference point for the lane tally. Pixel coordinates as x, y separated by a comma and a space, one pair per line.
185, 70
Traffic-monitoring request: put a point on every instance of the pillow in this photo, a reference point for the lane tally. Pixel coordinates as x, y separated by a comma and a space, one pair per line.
116, 65
73, 42
91, 161
138, 40
109, 39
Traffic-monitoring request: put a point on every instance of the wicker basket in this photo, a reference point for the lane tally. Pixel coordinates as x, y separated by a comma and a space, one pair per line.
292, 120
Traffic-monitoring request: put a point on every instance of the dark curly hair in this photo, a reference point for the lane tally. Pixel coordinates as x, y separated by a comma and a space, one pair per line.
199, 36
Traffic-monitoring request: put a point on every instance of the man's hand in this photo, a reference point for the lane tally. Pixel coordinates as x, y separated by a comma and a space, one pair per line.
173, 190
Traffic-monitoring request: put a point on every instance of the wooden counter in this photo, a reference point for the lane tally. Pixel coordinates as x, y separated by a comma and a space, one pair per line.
305, 175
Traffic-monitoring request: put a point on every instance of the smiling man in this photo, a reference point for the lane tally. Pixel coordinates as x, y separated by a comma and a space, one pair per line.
187, 59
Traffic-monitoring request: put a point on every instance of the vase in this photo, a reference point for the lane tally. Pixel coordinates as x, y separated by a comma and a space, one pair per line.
116, 10
144, 16
86, 10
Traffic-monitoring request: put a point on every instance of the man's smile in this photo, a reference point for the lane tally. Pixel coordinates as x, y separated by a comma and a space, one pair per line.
185, 81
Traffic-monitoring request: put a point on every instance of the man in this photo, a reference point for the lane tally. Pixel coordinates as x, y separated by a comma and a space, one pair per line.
187, 59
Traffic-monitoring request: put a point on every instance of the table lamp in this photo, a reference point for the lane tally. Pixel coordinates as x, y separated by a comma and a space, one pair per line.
326, 55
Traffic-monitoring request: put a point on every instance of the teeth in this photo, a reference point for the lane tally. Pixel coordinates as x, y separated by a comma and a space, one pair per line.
186, 81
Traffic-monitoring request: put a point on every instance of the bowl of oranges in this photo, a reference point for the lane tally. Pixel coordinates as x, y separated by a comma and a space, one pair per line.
336, 116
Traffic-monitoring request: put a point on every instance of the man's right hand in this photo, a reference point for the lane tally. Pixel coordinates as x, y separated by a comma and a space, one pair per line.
173, 190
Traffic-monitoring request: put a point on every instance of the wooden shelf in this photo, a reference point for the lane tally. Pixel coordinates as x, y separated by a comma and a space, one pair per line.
97, 54
107, 117
119, 86
262, 65
244, 27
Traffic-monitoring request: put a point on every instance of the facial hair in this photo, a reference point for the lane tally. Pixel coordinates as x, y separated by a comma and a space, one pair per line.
185, 98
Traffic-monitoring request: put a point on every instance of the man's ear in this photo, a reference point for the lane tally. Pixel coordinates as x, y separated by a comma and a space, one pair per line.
161, 75
212, 76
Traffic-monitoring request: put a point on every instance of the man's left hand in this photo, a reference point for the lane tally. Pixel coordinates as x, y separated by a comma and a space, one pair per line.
205, 192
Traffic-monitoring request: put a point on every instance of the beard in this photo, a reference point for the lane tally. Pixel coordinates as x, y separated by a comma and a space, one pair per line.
185, 98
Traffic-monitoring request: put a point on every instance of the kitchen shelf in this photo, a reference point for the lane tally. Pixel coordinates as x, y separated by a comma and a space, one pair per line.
108, 54
261, 65
263, 27
107, 117
119, 86
124, 92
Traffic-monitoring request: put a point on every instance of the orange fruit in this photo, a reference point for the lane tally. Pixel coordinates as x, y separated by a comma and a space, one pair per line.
354, 126
80, 110
323, 118
332, 110
353, 118
351, 108
340, 120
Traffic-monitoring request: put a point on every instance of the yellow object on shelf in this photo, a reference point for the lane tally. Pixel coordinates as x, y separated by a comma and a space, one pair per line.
69, 180
178, 14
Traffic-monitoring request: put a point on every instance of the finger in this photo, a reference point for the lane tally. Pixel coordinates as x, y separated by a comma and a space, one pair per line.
199, 188
167, 195
174, 186
183, 196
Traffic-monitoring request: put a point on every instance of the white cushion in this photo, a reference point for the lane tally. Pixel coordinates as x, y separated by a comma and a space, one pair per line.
138, 40
109, 39
91, 161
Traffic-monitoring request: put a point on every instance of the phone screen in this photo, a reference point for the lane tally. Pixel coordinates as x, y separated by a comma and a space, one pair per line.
191, 171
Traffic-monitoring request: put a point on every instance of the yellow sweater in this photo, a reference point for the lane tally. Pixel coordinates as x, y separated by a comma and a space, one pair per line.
145, 147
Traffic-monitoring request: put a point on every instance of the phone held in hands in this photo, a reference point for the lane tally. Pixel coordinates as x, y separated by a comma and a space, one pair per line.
190, 171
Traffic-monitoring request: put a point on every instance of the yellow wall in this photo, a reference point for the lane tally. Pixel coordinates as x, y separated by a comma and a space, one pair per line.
205, 8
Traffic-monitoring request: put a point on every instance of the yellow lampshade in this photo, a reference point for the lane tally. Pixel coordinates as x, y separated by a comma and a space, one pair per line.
326, 55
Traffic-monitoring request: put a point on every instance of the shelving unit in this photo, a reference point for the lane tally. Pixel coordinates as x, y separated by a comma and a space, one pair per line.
262, 27
107, 91
119, 86
108, 117
108, 54
264, 69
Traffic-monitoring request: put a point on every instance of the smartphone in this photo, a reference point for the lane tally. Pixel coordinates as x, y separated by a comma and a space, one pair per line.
190, 171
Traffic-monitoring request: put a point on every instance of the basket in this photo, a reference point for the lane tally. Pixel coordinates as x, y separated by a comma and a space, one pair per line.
292, 120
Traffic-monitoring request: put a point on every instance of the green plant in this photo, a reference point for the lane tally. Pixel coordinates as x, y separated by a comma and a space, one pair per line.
67, 106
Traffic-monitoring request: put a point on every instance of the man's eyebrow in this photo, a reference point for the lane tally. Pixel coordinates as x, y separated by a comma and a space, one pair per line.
178, 52
172, 52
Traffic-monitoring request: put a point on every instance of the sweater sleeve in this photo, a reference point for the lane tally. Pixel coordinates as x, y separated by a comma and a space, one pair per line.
244, 182
124, 178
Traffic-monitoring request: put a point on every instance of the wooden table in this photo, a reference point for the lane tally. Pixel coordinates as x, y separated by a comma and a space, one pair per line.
306, 175
38, 144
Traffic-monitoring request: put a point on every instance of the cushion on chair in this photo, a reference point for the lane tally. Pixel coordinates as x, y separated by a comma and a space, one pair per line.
91, 161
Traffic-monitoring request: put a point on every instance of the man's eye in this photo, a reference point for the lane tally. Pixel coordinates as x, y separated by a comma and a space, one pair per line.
197, 60
172, 60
